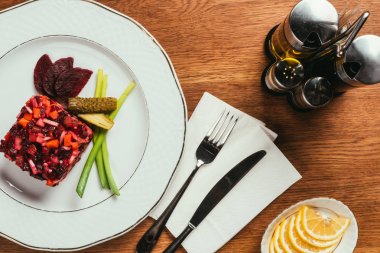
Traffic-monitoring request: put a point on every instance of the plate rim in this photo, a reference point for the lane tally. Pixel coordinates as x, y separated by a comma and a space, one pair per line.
185, 112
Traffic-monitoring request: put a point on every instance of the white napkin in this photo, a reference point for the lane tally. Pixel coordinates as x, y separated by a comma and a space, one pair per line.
265, 182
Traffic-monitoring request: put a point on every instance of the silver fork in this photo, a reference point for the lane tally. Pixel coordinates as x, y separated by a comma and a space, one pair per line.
206, 152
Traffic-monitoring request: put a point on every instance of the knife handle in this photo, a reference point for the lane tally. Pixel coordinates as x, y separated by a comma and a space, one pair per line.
150, 238
178, 241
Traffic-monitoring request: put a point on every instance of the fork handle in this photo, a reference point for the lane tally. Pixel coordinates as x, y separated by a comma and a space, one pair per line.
150, 238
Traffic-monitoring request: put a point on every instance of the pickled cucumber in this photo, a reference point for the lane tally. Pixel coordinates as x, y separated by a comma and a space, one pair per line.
92, 105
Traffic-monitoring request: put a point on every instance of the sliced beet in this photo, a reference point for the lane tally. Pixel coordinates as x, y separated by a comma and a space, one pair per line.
54, 72
42, 66
71, 82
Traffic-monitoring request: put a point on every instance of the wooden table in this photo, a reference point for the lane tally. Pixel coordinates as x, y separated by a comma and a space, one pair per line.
217, 46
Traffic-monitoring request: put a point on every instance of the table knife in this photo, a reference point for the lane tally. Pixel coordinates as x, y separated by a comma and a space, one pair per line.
216, 194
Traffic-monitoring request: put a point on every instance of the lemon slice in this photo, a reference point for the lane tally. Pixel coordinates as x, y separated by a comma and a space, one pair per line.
276, 240
321, 226
271, 246
284, 238
307, 238
301, 245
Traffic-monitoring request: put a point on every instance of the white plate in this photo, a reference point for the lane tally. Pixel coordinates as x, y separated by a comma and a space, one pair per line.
145, 144
349, 239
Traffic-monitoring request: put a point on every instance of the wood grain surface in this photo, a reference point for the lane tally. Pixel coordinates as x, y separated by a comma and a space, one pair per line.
217, 46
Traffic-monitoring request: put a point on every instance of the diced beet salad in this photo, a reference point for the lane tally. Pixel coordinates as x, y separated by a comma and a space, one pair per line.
46, 140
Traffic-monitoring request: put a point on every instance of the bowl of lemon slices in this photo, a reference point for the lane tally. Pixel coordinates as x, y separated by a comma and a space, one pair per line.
319, 225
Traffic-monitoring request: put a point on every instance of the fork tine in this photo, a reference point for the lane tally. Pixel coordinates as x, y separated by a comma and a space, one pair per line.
215, 124
221, 133
219, 126
216, 132
223, 141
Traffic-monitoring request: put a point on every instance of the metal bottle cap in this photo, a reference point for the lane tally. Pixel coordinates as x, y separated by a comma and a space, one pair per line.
311, 24
314, 93
285, 75
361, 63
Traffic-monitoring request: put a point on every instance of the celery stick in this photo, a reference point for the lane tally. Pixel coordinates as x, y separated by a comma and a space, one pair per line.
122, 99
99, 83
90, 161
98, 144
107, 167
99, 157
104, 151
100, 167
103, 91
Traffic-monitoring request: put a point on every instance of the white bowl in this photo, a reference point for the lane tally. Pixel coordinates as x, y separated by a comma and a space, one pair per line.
349, 239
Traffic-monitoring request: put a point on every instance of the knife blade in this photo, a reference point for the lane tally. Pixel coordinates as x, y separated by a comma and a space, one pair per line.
216, 194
